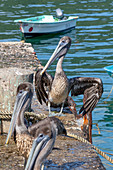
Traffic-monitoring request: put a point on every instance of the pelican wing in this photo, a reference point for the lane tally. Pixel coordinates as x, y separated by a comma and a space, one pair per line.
44, 126
91, 88
42, 83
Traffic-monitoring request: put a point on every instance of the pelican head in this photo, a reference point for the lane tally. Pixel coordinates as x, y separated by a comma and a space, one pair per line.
61, 50
41, 148
23, 101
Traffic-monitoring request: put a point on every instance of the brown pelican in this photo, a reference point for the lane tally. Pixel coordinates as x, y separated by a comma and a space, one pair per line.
40, 149
60, 86
44, 132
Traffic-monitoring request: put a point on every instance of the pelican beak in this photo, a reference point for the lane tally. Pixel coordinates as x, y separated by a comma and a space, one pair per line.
60, 50
38, 144
22, 99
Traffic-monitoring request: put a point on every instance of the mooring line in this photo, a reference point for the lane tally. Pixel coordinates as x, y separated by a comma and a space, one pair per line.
94, 147
8, 115
107, 164
109, 94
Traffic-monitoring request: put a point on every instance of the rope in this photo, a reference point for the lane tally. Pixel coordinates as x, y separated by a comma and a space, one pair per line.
109, 153
97, 127
109, 94
6, 115
107, 164
94, 147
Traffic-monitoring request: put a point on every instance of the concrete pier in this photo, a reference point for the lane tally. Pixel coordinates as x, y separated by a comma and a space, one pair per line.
68, 153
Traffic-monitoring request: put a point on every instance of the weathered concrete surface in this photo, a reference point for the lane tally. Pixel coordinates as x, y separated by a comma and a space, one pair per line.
17, 63
68, 153
10, 78
17, 54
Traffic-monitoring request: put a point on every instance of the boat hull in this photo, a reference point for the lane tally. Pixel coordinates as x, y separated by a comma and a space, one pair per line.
109, 70
34, 27
49, 33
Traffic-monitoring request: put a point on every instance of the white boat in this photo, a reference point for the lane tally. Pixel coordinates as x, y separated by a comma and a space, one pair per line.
46, 24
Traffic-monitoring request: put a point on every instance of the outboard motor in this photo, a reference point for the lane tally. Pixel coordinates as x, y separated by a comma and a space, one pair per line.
59, 14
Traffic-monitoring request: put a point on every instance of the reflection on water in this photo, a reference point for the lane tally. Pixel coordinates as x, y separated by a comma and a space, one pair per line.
91, 49
48, 38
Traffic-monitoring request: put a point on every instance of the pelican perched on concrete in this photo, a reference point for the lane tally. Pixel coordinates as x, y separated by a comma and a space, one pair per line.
41, 148
60, 86
43, 132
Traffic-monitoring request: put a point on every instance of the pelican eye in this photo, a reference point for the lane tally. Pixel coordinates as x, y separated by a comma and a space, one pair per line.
41, 135
21, 91
63, 41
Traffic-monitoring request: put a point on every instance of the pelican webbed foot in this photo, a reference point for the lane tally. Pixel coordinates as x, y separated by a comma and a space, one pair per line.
52, 114
60, 114
55, 114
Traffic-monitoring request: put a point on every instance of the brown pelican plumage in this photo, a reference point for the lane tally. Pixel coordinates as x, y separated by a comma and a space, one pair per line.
44, 131
41, 148
60, 86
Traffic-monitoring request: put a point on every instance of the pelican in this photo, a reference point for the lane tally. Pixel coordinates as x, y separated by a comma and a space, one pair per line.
41, 148
60, 86
43, 132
